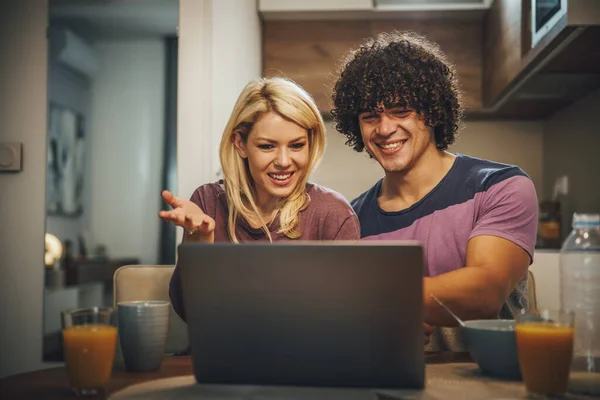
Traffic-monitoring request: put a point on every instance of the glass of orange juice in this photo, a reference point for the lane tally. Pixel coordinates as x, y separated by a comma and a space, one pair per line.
545, 351
89, 343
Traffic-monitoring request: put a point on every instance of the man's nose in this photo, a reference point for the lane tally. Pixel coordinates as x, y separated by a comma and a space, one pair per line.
387, 126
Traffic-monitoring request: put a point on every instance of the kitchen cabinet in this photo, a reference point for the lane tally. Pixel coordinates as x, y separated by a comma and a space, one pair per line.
521, 81
265, 6
502, 76
269, 6
309, 51
502, 52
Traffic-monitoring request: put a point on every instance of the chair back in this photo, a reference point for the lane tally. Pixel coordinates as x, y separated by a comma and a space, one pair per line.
151, 282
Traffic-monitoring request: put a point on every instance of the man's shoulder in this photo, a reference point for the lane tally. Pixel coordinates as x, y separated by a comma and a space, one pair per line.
479, 175
366, 198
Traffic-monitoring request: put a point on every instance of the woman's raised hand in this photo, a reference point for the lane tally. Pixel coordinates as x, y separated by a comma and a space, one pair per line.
185, 213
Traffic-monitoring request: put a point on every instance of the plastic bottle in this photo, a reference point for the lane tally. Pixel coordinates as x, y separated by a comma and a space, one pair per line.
580, 292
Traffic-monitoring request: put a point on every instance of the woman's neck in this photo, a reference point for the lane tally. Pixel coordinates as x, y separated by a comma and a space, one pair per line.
267, 209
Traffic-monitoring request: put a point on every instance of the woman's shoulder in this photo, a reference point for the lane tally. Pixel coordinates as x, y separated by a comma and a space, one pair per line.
326, 198
329, 216
208, 193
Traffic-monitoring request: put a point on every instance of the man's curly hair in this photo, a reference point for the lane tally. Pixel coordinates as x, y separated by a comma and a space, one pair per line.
398, 70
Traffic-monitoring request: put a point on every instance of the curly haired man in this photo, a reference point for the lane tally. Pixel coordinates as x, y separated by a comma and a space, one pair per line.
397, 98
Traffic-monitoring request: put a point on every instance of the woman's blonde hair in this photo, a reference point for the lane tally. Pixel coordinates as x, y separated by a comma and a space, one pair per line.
259, 97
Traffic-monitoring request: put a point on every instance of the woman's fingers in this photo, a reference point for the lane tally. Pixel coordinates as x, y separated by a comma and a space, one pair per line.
176, 216
186, 214
200, 223
171, 199
203, 225
175, 202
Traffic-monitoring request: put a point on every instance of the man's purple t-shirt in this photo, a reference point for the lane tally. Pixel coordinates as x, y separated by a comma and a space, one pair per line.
476, 197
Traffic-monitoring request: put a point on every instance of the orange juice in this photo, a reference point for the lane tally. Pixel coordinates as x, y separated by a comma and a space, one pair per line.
545, 353
89, 354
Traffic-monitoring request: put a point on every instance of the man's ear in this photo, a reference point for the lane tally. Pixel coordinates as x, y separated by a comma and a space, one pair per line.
239, 145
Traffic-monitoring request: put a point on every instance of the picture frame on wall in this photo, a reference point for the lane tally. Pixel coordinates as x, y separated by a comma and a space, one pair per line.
66, 162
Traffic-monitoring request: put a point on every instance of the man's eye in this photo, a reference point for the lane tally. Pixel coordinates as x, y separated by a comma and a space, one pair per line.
367, 117
401, 112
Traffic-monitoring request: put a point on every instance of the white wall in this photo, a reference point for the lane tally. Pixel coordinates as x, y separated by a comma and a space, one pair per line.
571, 145
343, 169
219, 52
126, 141
314, 5
23, 99
546, 273
520, 143
194, 97
236, 58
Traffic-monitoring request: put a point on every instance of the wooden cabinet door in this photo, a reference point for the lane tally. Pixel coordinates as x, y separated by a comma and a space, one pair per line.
309, 52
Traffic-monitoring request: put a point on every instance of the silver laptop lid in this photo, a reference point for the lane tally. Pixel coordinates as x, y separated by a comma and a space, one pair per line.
328, 314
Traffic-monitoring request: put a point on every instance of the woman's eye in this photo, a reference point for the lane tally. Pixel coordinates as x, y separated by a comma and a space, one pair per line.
298, 145
265, 146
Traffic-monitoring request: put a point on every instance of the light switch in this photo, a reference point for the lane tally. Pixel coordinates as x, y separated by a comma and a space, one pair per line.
10, 157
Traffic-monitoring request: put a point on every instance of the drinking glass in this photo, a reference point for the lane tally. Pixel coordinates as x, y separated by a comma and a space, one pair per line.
89, 342
545, 351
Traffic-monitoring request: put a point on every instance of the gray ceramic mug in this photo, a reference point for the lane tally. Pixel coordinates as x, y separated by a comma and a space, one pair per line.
143, 330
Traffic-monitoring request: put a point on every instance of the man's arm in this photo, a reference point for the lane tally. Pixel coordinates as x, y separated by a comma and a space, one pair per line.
494, 266
498, 255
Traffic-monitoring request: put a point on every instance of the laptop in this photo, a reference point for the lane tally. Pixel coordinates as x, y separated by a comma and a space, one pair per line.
317, 314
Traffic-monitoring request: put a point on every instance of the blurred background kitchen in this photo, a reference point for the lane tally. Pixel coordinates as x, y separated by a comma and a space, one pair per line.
112, 120
137, 93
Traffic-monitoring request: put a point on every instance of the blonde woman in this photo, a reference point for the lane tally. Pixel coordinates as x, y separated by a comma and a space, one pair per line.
274, 138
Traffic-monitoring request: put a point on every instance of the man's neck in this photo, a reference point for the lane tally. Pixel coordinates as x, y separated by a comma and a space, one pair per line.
400, 190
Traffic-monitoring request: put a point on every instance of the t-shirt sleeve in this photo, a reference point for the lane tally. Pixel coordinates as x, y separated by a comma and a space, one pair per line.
198, 197
509, 209
349, 230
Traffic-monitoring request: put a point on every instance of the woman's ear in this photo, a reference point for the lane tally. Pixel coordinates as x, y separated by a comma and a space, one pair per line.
239, 145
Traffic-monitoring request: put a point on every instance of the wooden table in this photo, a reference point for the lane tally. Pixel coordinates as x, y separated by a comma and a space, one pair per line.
52, 383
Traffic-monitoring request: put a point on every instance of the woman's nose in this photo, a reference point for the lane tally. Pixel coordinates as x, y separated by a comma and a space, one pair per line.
283, 159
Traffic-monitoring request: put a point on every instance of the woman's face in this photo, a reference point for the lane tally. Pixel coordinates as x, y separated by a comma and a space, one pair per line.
277, 151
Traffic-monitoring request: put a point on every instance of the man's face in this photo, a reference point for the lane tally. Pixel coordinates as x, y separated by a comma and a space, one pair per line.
396, 137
